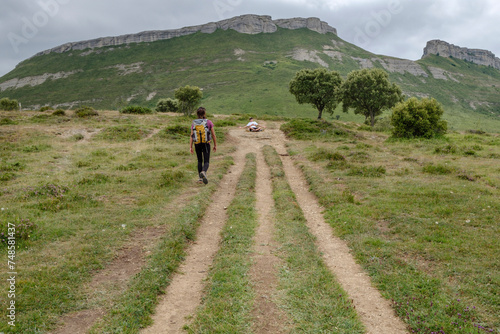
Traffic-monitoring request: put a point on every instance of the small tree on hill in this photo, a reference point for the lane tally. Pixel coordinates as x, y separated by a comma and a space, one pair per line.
369, 92
418, 118
188, 97
318, 87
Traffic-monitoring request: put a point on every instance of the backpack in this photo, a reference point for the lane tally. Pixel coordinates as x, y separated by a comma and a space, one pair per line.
201, 133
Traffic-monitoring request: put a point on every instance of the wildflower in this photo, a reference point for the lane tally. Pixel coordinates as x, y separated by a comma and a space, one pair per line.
467, 221
437, 223
124, 225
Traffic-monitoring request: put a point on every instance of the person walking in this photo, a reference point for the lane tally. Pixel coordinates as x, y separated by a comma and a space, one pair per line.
202, 133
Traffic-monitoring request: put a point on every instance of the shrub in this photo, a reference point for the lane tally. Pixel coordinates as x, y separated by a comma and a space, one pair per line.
438, 169
325, 154
418, 118
171, 177
8, 104
7, 121
177, 132
367, 171
447, 149
124, 133
45, 108
59, 112
86, 111
136, 110
307, 129
167, 105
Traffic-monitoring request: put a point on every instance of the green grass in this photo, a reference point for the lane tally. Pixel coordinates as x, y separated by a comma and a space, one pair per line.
426, 231
313, 299
78, 202
227, 305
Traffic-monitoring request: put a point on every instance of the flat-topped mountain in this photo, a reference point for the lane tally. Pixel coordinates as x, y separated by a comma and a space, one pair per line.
244, 65
476, 56
245, 24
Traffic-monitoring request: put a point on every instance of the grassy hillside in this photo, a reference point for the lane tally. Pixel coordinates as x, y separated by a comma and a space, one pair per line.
421, 217
244, 74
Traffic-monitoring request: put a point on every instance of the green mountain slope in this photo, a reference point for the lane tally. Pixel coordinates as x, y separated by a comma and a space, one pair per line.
241, 73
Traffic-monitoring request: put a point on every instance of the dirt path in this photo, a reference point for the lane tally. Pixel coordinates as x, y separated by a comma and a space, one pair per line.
184, 293
375, 311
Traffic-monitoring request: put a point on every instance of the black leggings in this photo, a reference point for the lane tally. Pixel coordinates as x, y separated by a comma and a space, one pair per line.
203, 155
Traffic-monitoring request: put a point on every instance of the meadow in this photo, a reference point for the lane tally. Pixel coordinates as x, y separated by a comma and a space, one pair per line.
421, 217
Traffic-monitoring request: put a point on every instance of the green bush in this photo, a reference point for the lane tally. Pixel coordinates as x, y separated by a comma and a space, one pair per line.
86, 111
447, 149
367, 171
8, 104
177, 131
7, 121
300, 128
437, 169
123, 133
325, 154
171, 177
167, 105
45, 108
59, 112
418, 118
136, 110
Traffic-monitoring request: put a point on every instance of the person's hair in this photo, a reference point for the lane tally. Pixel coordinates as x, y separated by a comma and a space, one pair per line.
251, 118
201, 112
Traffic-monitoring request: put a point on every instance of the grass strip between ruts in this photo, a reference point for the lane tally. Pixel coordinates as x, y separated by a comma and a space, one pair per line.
311, 296
227, 305
133, 309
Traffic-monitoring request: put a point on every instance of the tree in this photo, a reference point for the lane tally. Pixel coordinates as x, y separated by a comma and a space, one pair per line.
369, 92
188, 97
418, 118
318, 87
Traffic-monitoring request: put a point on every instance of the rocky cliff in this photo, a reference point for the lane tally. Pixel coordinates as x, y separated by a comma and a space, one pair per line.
246, 24
477, 56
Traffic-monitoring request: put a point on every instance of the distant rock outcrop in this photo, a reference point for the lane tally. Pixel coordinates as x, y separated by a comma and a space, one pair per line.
476, 56
246, 24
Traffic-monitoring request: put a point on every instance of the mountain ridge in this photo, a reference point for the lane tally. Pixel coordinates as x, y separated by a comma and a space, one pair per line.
477, 56
246, 24
244, 72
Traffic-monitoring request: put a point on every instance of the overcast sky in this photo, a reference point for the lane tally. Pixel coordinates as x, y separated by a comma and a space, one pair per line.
399, 28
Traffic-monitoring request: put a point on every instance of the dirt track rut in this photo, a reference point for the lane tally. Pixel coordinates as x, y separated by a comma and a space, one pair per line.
184, 294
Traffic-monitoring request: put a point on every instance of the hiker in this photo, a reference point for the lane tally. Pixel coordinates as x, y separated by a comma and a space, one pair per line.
253, 126
202, 132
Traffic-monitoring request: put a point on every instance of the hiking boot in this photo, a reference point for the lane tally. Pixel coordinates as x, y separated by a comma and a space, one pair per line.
203, 175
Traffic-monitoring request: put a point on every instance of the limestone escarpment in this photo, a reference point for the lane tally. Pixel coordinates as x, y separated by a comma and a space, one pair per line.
476, 56
246, 24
